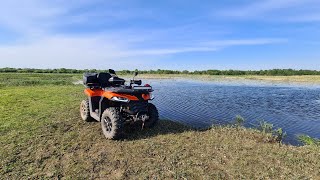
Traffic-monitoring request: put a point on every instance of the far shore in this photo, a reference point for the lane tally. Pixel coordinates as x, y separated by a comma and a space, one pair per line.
295, 79
304, 79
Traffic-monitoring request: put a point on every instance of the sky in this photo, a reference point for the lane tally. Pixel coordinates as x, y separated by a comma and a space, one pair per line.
167, 34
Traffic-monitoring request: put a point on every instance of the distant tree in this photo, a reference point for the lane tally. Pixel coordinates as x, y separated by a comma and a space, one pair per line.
271, 72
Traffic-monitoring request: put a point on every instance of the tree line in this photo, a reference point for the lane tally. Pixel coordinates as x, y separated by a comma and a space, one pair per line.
271, 72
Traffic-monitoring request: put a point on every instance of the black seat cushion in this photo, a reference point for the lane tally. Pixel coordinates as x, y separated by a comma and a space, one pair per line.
103, 79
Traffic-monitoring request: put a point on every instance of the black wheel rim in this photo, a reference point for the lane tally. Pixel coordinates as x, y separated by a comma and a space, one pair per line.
107, 124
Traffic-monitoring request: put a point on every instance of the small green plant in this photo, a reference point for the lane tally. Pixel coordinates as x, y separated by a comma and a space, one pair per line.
265, 127
239, 120
307, 140
279, 135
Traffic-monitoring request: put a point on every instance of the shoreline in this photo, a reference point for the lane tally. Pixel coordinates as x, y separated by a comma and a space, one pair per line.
35, 78
294, 80
298, 79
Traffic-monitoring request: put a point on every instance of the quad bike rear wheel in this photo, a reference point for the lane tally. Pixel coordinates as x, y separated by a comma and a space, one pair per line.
153, 116
85, 111
112, 123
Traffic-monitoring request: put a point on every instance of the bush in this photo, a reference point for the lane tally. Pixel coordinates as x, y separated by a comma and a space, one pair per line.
239, 120
307, 140
265, 127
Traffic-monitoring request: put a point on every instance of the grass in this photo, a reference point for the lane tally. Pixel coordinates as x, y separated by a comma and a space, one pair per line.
42, 137
307, 140
28, 79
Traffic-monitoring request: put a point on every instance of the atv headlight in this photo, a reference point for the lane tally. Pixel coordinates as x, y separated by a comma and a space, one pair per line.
120, 99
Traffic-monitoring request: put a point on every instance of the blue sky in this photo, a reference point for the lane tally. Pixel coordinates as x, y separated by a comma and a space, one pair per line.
168, 34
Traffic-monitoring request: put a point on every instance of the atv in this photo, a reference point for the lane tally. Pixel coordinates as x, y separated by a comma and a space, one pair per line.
116, 104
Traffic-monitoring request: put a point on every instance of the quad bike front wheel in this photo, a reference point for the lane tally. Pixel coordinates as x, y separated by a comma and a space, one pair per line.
85, 111
153, 116
112, 123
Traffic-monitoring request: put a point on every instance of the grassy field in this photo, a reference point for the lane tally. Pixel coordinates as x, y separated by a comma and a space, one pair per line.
42, 136
25, 79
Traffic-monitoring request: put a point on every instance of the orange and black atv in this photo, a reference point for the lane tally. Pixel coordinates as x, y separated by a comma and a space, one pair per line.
117, 105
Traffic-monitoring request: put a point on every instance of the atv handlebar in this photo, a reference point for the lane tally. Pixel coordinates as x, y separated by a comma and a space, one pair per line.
138, 82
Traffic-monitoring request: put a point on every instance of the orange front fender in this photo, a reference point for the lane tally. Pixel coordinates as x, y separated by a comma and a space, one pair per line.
91, 93
110, 94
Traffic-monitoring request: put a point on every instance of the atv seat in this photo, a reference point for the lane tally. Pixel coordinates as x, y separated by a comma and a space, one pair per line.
103, 79
96, 80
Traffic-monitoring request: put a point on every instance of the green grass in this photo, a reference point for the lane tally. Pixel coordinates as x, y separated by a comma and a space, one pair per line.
28, 79
307, 140
43, 137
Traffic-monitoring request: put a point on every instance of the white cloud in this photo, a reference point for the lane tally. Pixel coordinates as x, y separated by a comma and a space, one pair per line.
246, 42
27, 17
42, 46
93, 51
275, 10
308, 17
34, 18
260, 7
208, 46
61, 52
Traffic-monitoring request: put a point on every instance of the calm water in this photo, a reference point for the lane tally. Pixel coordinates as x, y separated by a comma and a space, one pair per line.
296, 109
